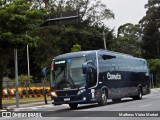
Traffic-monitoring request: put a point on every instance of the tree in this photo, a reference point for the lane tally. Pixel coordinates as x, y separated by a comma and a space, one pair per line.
47, 47
76, 48
19, 17
154, 66
55, 40
16, 19
128, 40
150, 24
91, 12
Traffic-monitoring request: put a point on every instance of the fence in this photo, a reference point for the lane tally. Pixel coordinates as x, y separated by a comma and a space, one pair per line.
25, 93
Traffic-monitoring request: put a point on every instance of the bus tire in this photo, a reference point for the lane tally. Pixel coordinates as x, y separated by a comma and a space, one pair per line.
139, 96
103, 100
116, 100
73, 105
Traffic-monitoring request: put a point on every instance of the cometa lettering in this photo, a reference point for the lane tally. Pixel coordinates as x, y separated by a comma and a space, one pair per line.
113, 76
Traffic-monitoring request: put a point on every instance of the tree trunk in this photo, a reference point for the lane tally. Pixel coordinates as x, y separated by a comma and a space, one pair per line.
1, 78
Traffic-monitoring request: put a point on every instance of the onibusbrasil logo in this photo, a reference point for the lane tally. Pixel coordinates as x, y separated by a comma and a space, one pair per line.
21, 114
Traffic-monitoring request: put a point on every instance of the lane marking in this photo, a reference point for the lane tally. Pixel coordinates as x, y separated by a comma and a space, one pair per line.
34, 108
146, 105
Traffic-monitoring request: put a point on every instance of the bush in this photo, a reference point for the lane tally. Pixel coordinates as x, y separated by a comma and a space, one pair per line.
154, 66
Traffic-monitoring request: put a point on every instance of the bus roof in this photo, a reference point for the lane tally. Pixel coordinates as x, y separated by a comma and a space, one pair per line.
74, 54
85, 53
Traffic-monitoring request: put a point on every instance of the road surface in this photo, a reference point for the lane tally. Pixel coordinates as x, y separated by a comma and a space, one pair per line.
127, 109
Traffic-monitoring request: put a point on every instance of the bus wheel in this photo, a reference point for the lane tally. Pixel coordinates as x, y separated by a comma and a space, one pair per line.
116, 100
103, 100
73, 105
139, 96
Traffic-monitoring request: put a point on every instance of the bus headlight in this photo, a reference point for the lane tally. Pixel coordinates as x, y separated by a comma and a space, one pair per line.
54, 94
81, 91
84, 98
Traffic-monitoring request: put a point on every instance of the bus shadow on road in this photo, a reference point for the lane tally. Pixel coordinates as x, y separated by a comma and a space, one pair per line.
96, 105
108, 104
84, 109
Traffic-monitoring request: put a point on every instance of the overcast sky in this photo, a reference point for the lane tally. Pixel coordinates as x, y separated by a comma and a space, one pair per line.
126, 11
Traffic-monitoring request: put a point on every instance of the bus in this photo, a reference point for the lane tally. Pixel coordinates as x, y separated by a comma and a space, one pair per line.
97, 75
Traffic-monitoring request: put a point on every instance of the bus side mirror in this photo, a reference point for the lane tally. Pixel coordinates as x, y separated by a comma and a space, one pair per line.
86, 67
43, 72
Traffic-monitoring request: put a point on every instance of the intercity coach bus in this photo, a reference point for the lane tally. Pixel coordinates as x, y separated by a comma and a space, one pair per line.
97, 75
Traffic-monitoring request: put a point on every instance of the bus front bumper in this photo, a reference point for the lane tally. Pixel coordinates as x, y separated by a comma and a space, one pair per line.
69, 99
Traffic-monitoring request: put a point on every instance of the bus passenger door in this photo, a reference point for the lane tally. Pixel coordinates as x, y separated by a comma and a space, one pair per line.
90, 70
92, 76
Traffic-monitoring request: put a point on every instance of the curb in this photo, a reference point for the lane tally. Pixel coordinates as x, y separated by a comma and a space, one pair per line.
155, 89
9, 104
12, 106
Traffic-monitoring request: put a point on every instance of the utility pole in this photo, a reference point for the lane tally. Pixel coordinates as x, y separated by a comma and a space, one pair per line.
158, 46
28, 61
158, 42
44, 92
104, 40
16, 77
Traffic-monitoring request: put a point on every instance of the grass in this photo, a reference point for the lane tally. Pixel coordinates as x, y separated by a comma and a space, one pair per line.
8, 101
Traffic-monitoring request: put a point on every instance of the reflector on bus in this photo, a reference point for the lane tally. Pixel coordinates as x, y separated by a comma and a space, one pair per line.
52, 66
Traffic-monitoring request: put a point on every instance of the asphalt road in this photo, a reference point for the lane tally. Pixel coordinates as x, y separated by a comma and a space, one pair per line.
127, 109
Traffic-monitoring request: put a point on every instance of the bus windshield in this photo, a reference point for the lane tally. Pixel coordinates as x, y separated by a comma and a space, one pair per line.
67, 74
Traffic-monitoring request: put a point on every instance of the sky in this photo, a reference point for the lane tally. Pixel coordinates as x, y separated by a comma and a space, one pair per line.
126, 11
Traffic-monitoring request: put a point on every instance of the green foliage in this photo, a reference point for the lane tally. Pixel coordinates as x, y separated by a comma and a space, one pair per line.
25, 80
18, 26
55, 40
150, 25
16, 19
25, 77
76, 48
47, 47
154, 66
96, 13
128, 40
92, 12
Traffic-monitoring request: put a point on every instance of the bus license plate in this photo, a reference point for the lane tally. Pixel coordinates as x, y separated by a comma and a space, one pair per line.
66, 99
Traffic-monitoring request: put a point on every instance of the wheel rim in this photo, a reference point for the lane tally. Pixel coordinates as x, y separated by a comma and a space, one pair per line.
140, 94
104, 98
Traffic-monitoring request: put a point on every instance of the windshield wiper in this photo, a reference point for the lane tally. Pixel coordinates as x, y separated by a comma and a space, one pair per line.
70, 80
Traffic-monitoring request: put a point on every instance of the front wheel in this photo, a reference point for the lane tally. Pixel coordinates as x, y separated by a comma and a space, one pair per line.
73, 105
103, 100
